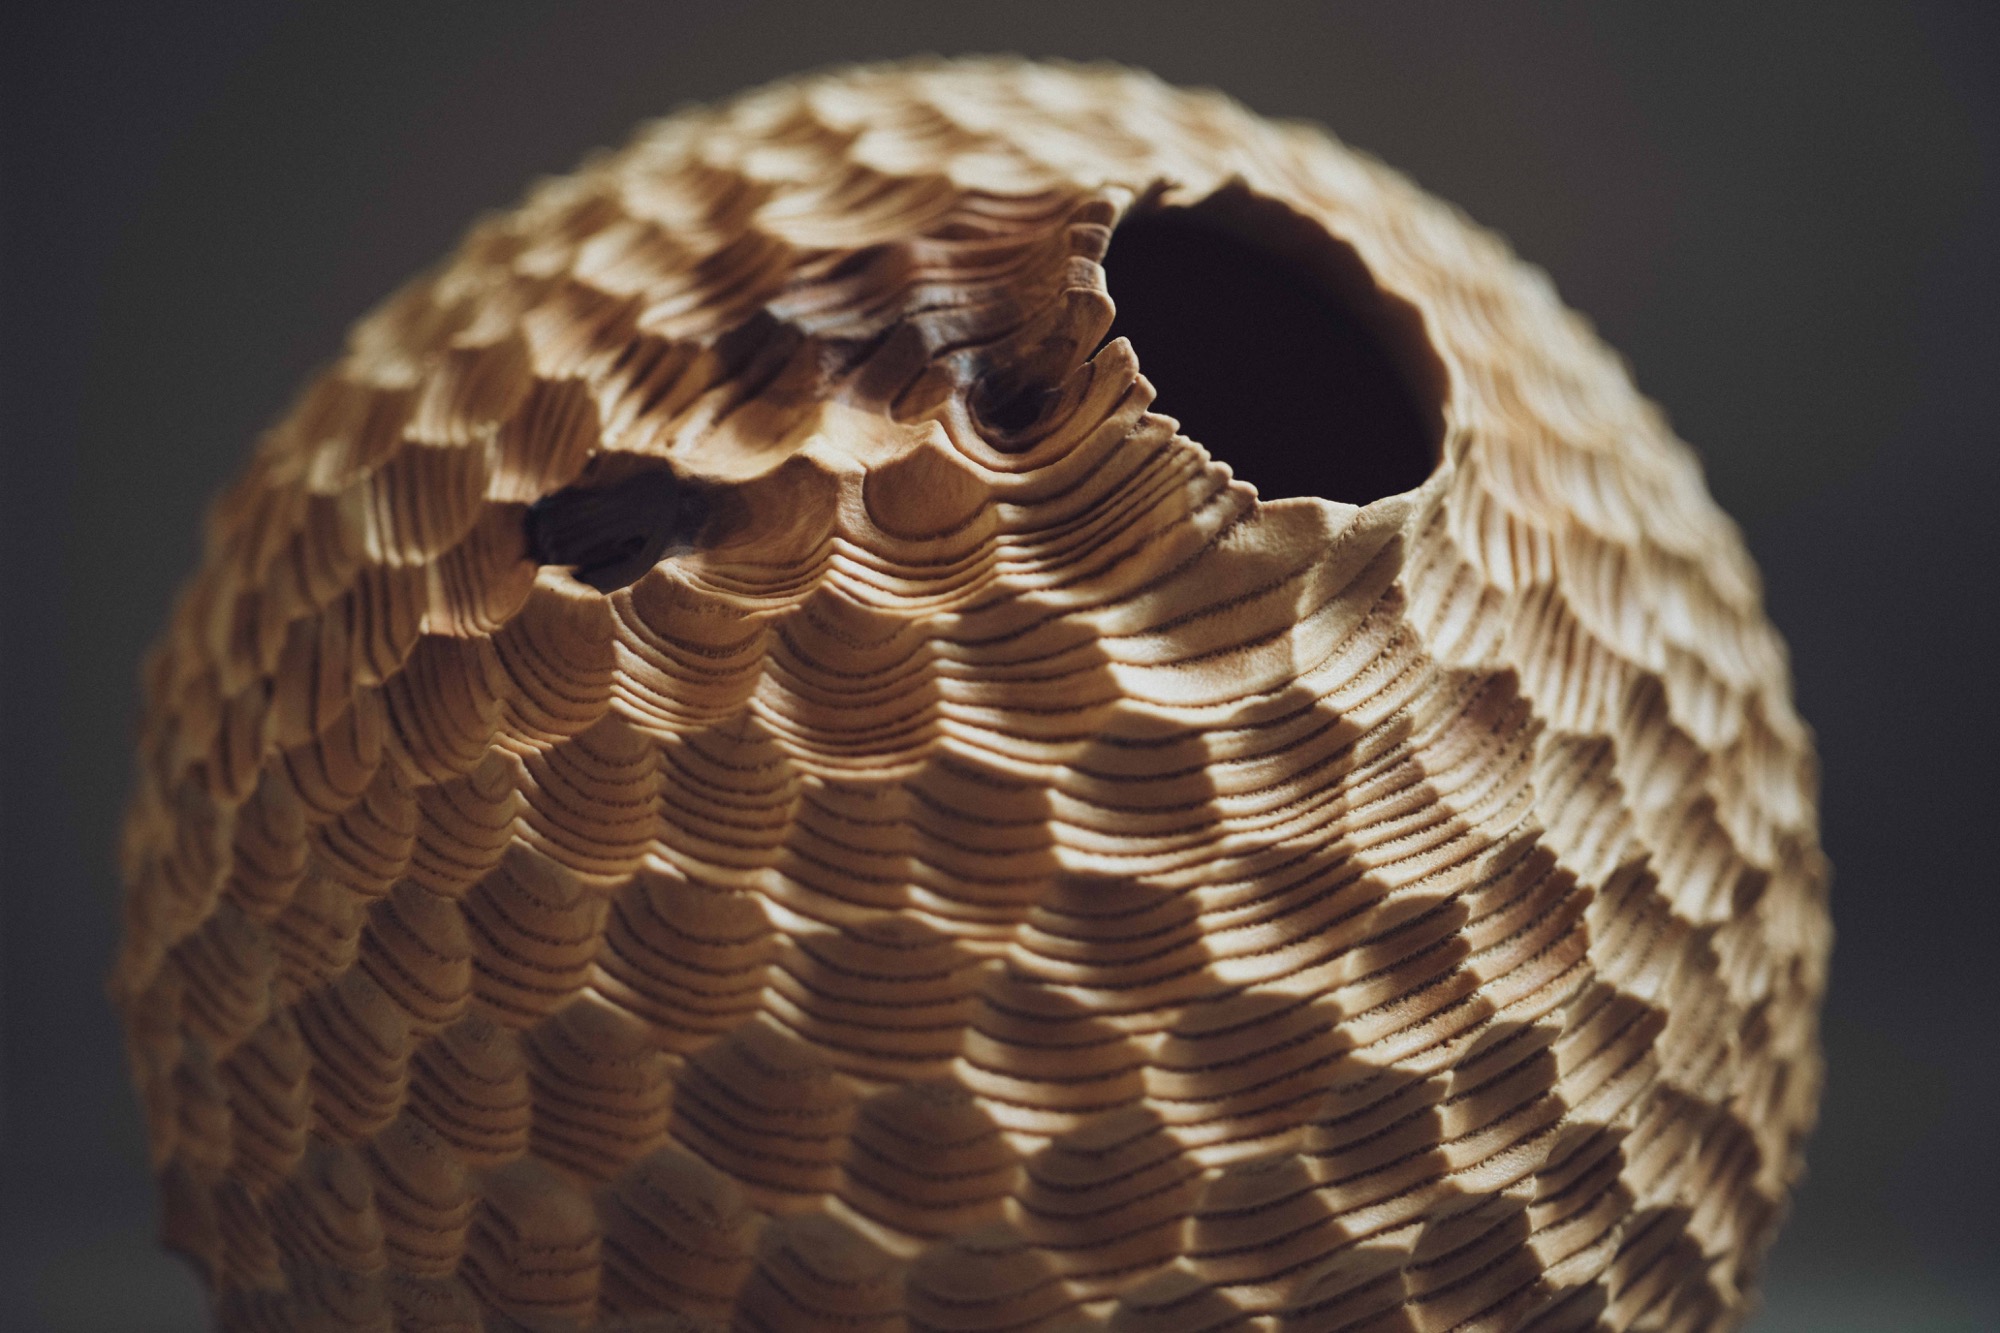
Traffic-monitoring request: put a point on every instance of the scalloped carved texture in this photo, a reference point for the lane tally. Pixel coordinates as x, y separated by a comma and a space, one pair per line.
723, 769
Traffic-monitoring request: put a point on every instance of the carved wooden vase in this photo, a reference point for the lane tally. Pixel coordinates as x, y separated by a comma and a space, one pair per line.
726, 768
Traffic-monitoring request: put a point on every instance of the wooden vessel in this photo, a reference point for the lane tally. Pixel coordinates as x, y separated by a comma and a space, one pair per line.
974, 696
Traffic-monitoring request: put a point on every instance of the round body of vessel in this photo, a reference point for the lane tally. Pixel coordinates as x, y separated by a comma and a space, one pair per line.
974, 696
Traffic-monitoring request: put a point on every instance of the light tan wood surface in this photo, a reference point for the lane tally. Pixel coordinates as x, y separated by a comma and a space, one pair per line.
971, 865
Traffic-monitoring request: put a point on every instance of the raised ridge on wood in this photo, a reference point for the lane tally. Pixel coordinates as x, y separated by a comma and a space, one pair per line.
724, 767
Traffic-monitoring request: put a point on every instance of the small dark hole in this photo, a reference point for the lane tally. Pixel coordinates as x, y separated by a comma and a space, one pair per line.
1265, 338
615, 531
1010, 403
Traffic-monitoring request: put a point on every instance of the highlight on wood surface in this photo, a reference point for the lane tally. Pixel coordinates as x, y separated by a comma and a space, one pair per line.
974, 696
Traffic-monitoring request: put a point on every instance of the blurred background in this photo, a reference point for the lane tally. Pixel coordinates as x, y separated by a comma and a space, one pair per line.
1786, 215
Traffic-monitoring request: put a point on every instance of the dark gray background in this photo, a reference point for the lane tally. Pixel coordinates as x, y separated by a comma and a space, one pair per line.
1783, 213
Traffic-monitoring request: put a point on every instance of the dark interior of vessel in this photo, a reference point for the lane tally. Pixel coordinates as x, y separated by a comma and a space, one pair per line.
1267, 340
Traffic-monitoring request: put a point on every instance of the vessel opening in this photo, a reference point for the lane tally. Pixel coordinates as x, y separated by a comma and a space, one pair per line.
1268, 340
